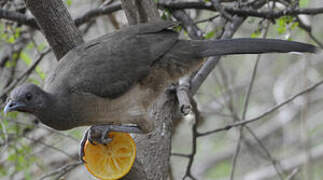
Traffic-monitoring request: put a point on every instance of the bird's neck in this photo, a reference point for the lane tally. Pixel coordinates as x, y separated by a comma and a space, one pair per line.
55, 113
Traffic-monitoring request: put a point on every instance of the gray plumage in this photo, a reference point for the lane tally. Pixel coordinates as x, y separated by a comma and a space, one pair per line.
115, 78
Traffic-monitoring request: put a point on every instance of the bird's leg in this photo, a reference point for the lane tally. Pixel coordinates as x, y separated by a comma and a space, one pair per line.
99, 134
83, 144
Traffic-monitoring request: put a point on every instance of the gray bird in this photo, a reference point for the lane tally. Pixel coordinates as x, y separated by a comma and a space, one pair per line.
113, 80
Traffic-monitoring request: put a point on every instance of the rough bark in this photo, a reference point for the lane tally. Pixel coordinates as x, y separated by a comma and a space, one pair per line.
140, 11
153, 149
56, 24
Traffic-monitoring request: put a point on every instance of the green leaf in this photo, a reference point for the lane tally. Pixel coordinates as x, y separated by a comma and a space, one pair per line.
3, 172
10, 64
294, 25
27, 174
303, 3
12, 157
166, 14
30, 45
25, 57
178, 28
41, 47
4, 36
284, 22
256, 34
209, 35
11, 40
68, 3
41, 74
17, 32
33, 81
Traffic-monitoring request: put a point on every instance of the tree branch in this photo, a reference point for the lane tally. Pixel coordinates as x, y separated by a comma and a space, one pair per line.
18, 17
241, 123
180, 5
56, 24
139, 11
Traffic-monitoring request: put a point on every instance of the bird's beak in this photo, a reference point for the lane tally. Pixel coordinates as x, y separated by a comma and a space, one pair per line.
13, 106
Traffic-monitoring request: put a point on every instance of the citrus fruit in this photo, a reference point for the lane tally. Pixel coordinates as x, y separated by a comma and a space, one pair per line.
111, 161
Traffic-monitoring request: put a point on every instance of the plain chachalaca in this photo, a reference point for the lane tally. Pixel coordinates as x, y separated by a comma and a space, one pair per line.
114, 79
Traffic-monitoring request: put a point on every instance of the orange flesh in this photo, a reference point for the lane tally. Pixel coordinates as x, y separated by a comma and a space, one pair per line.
111, 161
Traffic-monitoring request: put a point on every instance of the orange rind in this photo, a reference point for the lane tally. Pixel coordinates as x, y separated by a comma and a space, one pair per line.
111, 161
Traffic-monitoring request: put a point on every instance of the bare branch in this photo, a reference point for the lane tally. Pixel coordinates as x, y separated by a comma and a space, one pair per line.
236, 154
218, 6
188, 172
25, 73
18, 17
177, 5
287, 164
61, 171
209, 65
183, 96
271, 110
275, 164
139, 11
91, 14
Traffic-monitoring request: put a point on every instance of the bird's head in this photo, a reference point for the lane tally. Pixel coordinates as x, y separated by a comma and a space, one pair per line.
26, 98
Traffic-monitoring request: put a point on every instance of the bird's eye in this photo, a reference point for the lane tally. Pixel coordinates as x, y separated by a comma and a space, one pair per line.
28, 96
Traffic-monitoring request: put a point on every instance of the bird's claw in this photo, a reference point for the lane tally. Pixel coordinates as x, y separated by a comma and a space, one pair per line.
95, 135
99, 134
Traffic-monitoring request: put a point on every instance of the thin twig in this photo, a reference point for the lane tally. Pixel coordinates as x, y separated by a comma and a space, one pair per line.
236, 154
50, 147
271, 110
25, 73
179, 5
197, 118
218, 6
207, 19
58, 132
293, 174
269, 156
61, 171
243, 116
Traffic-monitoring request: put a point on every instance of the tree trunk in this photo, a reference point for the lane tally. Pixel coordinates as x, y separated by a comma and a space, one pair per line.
56, 24
153, 149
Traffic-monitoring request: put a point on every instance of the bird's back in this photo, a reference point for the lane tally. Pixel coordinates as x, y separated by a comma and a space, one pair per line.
110, 65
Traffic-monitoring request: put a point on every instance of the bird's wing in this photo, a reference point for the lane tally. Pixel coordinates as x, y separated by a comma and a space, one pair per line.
110, 65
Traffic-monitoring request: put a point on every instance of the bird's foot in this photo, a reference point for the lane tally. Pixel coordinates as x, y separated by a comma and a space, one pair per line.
98, 134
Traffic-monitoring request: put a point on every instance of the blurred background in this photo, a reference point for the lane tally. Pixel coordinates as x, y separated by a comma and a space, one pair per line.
284, 141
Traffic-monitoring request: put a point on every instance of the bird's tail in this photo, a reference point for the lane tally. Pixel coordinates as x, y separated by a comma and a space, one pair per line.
186, 55
199, 48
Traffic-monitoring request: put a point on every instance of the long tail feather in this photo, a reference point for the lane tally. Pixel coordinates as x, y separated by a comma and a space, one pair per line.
199, 48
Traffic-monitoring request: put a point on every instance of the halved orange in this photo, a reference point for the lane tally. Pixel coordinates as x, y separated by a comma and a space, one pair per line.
111, 161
